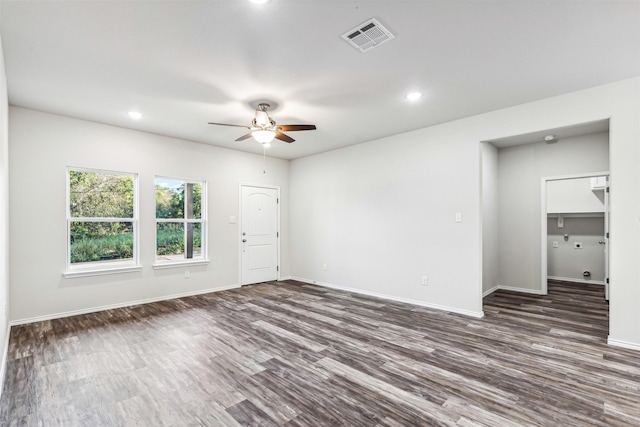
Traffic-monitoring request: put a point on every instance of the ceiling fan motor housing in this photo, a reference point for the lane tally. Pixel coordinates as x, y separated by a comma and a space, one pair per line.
262, 119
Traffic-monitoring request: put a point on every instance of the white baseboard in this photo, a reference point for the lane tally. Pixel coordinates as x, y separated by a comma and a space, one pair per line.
478, 314
574, 280
521, 290
283, 278
490, 291
118, 305
623, 344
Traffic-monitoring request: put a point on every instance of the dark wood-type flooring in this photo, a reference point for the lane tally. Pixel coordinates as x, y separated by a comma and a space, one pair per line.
290, 354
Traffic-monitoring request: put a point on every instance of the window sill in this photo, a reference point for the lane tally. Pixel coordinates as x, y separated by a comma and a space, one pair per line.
177, 264
72, 274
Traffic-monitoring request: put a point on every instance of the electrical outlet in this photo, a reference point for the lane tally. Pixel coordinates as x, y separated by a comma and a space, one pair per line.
187, 274
424, 281
555, 244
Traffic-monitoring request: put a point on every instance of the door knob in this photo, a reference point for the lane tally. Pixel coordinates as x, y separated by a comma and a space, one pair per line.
244, 240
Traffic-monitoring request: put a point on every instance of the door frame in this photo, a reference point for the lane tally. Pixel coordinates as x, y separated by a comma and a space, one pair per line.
543, 220
270, 187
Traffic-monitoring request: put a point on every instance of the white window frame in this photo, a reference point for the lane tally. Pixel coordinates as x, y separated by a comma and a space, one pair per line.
102, 267
203, 259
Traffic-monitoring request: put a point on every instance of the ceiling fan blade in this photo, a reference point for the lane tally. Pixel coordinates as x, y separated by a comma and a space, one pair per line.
227, 124
282, 137
243, 137
290, 128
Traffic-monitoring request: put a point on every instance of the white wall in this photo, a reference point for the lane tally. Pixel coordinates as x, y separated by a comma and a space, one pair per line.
381, 214
4, 219
565, 262
490, 217
521, 169
41, 146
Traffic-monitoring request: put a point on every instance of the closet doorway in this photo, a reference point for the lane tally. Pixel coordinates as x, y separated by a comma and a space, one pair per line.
575, 229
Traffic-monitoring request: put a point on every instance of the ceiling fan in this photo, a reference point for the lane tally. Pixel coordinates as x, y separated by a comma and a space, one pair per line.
264, 129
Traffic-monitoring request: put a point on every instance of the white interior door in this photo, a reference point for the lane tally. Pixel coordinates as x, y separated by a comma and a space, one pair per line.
259, 234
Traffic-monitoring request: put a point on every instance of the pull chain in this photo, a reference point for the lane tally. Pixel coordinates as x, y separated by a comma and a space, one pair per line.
264, 159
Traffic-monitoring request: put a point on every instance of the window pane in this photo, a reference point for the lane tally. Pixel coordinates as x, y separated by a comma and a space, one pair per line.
170, 240
99, 195
169, 198
193, 244
178, 206
197, 201
197, 240
101, 241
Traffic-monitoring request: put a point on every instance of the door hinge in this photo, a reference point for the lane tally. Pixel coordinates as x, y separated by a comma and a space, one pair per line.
607, 279
607, 234
277, 234
607, 189
277, 200
277, 268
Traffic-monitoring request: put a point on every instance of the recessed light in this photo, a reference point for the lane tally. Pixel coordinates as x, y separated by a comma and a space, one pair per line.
259, 1
413, 96
135, 115
549, 137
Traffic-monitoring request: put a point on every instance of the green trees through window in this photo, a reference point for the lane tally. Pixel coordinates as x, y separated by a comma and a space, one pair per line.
179, 219
102, 220
101, 216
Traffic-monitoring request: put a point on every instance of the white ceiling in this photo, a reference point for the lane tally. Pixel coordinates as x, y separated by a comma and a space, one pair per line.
186, 63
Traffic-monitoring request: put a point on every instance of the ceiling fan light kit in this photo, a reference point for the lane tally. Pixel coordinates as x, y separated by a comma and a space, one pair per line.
263, 136
264, 129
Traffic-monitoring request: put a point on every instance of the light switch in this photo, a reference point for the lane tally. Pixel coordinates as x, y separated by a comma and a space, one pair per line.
458, 217
555, 244
232, 220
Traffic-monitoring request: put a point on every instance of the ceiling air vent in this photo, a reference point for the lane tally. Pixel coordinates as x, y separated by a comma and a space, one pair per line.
368, 35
